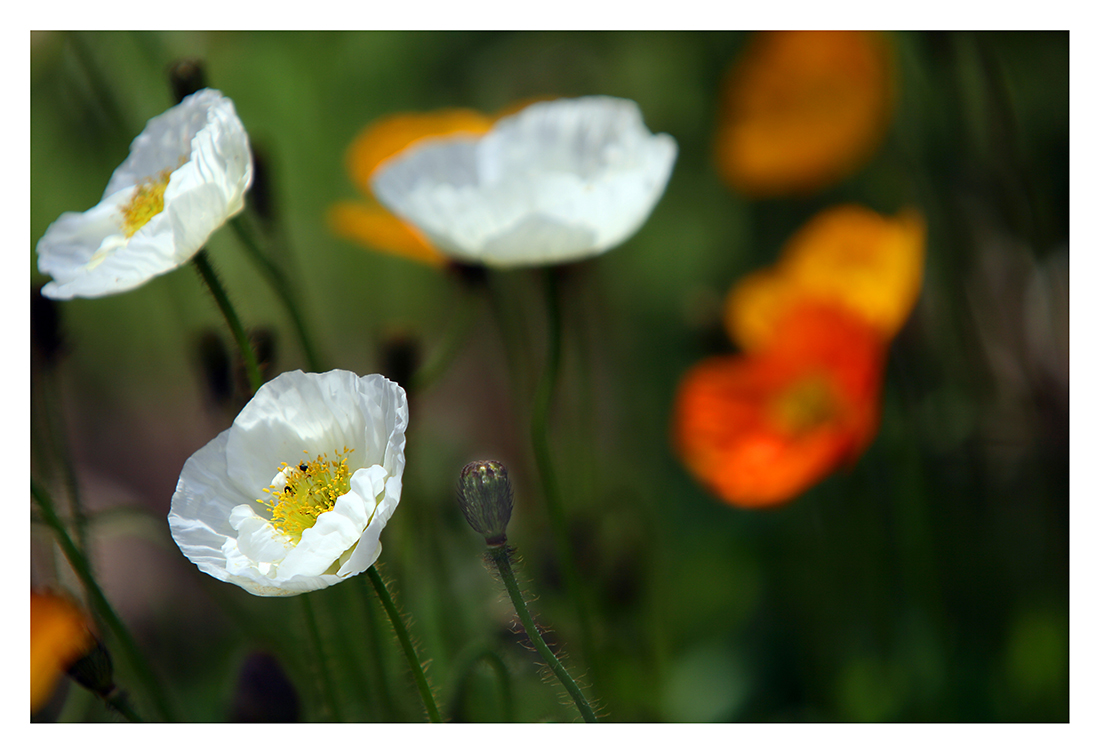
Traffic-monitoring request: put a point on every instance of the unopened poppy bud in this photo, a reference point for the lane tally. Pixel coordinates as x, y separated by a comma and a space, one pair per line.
485, 496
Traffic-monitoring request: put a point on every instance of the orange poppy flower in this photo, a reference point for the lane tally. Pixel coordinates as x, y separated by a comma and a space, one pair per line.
758, 429
60, 635
368, 222
803, 110
847, 255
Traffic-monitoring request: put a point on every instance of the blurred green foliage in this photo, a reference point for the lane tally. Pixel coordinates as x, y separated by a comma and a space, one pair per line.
928, 582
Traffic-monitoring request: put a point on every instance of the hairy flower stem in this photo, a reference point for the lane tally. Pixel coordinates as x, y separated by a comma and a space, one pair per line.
282, 288
79, 563
328, 688
206, 271
540, 441
502, 559
383, 696
402, 632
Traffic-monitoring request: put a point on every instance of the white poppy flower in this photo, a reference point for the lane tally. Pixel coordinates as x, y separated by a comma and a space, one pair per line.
186, 175
294, 495
556, 182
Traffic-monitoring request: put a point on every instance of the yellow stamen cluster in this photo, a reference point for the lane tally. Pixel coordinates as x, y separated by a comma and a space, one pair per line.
147, 202
805, 405
311, 488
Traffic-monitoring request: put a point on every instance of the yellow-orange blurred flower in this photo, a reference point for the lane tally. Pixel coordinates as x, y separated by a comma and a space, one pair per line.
846, 255
758, 429
368, 222
803, 110
60, 635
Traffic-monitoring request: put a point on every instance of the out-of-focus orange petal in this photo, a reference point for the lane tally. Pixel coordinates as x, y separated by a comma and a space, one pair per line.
848, 255
759, 429
380, 229
387, 136
60, 636
802, 110
754, 304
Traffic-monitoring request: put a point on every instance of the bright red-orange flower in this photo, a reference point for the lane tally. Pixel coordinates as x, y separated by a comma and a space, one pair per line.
759, 429
802, 110
60, 635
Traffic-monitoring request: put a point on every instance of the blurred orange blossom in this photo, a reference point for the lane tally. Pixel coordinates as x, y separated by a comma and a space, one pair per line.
802, 110
761, 427
60, 635
848, 255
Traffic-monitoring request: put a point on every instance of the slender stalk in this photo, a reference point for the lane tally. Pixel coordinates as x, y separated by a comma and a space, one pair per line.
328, 688
502, 560
512, 336
121, 704
455, 336
402, 632
376, 651
55, 426
206, 271
80, 565
540, 442
500, 670
282, 288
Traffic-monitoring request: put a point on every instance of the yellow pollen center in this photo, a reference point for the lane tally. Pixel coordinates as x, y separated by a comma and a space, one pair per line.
147, 201
805, 405
309, 489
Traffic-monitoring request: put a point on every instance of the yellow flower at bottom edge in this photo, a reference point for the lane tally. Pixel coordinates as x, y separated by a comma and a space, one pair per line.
847, 255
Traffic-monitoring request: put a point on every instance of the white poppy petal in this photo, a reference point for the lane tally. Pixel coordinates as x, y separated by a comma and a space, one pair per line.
257, 539
201, 148
556, 182
217, 521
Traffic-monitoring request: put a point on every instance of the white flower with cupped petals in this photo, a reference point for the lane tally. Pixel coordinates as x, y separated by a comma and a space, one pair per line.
186, 175
294, 495
556, 182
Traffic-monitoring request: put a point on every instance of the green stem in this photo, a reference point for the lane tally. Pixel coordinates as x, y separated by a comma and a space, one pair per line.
503, 563
453, 339
402, 632
540, 442
206, 271
55, 425
376, 651
492, 659
282, 288
327, 687
80, 565
119, 702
